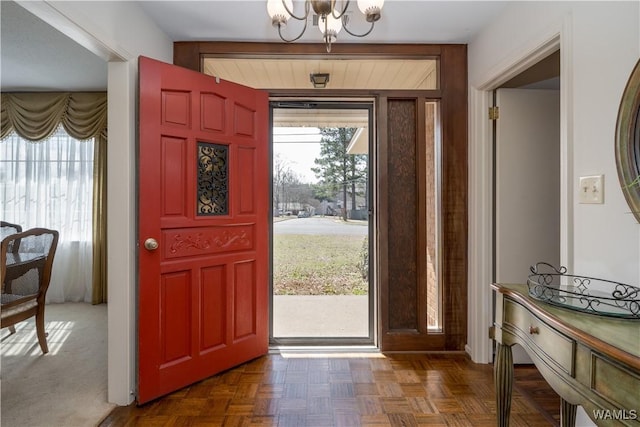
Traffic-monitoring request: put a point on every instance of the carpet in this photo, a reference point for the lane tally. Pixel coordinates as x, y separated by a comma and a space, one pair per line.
65, 387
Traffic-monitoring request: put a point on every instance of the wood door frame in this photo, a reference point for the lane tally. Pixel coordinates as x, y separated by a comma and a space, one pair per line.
481, 171
452, 94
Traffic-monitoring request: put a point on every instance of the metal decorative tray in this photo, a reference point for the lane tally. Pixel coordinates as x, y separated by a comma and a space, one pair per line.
587, 294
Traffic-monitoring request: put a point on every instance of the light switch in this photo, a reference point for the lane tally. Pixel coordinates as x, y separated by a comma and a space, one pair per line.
591, 189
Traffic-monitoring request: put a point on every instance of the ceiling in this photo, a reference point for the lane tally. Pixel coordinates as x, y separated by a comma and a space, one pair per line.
403, 21
343, 73
34, 56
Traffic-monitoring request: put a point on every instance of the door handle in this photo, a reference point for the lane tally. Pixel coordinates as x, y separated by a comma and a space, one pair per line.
151, 244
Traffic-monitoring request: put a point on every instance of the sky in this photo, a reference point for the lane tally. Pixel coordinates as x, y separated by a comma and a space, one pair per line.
299, 147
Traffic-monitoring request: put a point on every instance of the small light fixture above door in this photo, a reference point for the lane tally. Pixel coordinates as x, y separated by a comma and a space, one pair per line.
319, 80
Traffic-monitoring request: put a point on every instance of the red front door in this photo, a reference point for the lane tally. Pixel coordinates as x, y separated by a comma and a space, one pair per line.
203, 230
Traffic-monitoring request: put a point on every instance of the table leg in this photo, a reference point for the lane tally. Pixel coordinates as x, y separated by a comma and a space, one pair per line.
503, 378
567, 414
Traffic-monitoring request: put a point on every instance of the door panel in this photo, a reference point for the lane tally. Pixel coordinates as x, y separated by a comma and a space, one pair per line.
203, 177
405, 289
409, 241
174, 173
404, 232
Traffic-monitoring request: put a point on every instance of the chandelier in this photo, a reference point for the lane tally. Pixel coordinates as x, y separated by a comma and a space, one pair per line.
331, 18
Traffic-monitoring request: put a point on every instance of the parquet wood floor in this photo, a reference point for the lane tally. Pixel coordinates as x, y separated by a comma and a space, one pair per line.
335, 390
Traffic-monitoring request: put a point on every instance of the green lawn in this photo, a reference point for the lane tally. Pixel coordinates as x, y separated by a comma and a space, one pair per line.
317, 265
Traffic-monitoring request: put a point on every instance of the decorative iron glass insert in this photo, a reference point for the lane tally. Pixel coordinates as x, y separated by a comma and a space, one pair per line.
587, 294
213, 179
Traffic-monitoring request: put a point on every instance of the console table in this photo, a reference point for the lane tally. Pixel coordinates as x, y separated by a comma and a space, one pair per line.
589, 360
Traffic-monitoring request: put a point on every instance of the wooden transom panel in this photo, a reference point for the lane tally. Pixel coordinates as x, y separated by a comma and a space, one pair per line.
396, 74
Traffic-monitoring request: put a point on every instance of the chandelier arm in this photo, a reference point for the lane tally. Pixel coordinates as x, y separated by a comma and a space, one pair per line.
327, 43
295, 38
344, 9
327, 36
344, 25
290, 12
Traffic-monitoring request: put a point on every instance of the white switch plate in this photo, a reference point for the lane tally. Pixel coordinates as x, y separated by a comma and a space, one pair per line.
591, 189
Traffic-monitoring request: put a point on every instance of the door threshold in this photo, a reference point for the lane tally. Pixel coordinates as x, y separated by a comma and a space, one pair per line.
326, 351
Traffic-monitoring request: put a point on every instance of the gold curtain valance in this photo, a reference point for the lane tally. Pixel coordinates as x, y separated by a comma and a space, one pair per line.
36, 115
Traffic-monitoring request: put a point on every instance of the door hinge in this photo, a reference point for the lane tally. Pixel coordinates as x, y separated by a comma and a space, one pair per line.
494, 113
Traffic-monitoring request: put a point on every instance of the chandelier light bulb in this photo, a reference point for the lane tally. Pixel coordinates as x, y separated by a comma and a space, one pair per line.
278, 12
333, 26
371, 8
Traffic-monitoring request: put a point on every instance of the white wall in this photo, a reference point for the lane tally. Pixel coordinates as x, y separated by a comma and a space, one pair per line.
599, 46
604, 40
605, 236
118, 32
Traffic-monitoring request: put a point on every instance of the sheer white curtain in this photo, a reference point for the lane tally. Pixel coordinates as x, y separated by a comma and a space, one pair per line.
50, 184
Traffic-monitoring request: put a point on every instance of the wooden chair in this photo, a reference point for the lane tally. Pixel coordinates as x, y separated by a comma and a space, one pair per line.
25, 268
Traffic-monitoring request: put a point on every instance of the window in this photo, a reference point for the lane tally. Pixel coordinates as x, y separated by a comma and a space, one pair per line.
50, 184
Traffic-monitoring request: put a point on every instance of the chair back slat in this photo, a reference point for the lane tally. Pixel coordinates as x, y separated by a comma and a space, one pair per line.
7, 229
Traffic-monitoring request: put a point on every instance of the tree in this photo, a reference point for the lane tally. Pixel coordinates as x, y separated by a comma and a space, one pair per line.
338, 170
301, 193
287, 186
284, 178
279, 173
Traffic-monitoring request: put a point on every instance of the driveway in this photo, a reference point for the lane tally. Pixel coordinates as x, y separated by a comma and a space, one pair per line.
327, 225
